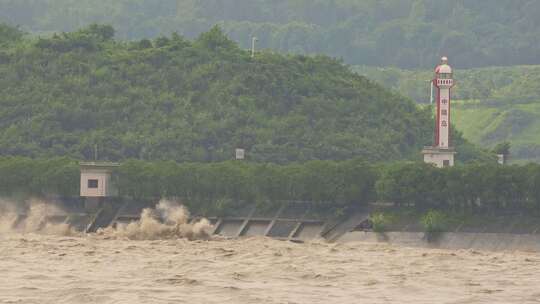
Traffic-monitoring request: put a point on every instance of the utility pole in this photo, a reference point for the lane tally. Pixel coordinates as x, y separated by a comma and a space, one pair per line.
253, 41
95, 152
431, 92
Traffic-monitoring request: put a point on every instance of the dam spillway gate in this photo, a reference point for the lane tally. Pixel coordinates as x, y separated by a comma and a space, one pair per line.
294, 221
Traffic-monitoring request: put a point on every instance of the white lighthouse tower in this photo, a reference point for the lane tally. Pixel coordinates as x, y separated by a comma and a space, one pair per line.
441, 154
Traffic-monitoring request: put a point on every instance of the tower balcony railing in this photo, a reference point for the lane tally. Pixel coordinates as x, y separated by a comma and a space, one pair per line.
445, 82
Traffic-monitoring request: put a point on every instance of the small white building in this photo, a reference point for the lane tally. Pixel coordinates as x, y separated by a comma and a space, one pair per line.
502, 159
96, 179
240, 154
439, 157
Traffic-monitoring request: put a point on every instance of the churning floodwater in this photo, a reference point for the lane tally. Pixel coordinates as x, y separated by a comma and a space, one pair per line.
164, 259
43, 268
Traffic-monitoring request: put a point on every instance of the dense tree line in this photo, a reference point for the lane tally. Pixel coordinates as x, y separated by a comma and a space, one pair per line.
405, 33
469, 189
477, 188
21, 176
227, 184
175, 99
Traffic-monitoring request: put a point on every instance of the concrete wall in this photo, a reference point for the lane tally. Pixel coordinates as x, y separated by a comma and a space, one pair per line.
451, 240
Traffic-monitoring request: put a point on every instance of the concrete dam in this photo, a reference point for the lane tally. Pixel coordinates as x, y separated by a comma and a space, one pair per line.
294, 221
297, 222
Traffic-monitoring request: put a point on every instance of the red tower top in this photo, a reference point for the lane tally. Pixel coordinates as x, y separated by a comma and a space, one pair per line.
444, 75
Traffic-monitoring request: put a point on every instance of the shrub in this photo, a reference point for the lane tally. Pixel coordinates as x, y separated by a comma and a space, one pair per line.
380, 221
434, 221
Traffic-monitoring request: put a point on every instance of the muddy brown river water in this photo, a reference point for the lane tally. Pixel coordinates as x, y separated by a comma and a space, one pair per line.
38, 268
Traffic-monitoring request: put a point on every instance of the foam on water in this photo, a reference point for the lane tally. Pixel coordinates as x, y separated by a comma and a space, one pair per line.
37, 218
8, 216
169, 220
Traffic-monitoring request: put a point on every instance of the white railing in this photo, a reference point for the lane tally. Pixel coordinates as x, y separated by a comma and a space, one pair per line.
445, 82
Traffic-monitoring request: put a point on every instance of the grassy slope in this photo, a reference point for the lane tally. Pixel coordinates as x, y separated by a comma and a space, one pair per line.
517, 123
492, 104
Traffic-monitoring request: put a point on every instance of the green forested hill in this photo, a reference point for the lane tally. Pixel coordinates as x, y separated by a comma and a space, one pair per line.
494, 104
405, 33
198, 100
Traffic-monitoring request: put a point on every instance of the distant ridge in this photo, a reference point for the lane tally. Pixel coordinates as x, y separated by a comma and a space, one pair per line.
404, 33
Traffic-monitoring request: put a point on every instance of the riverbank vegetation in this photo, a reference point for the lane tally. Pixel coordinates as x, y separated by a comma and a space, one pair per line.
22, 177
466, 189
